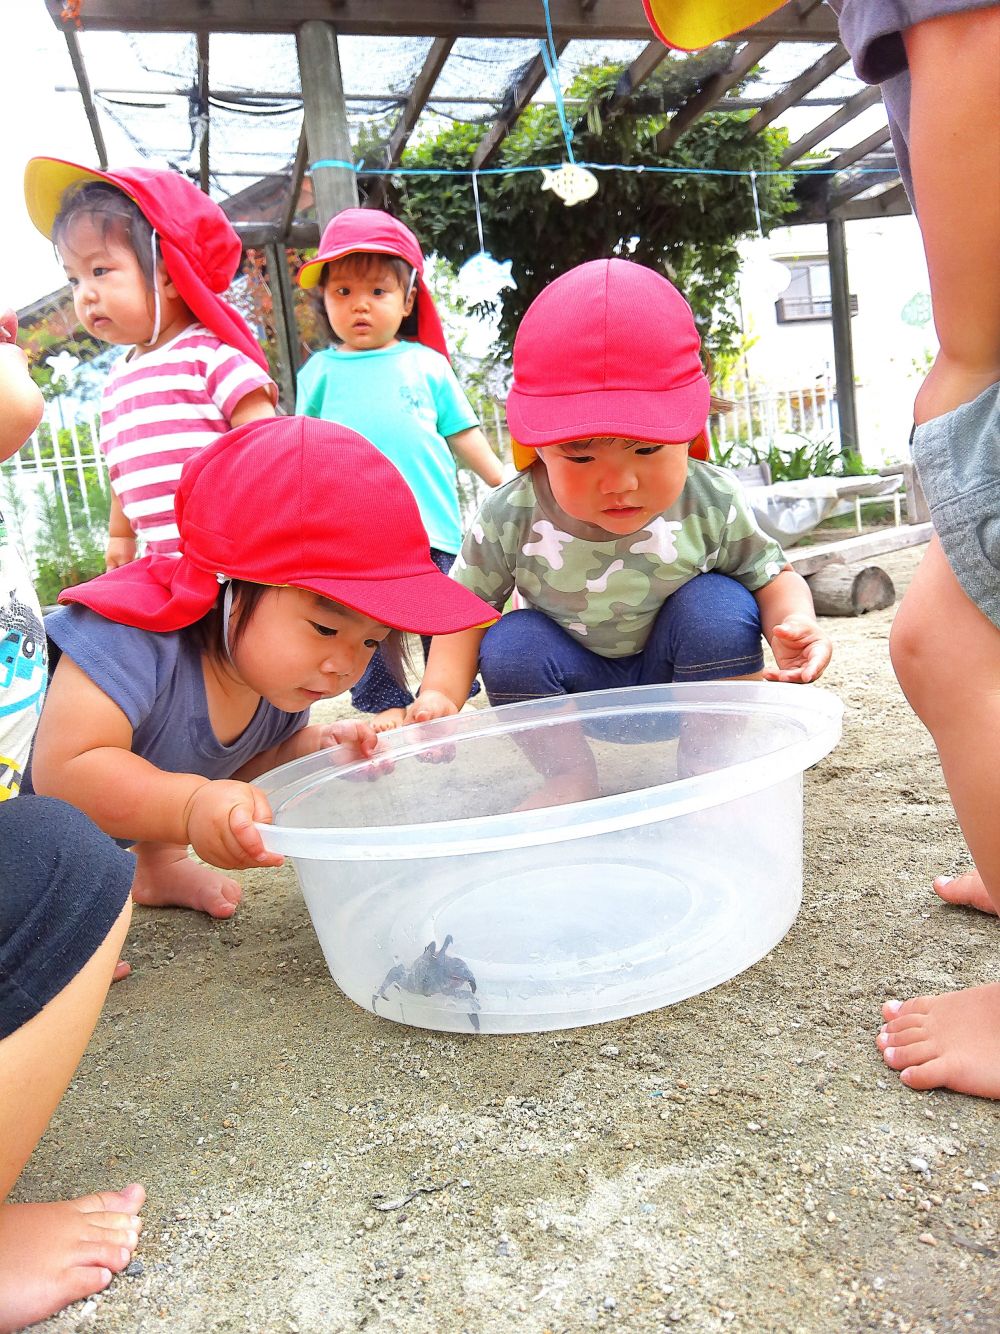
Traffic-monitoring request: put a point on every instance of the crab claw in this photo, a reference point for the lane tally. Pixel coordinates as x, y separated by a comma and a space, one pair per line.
393, 977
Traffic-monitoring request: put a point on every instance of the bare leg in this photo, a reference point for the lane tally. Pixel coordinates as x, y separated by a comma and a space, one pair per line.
166, 877
955, 1036
56, 1253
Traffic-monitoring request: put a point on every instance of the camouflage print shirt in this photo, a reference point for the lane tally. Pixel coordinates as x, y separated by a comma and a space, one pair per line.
603, 589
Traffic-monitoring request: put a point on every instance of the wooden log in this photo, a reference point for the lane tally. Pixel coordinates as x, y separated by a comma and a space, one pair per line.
850, 590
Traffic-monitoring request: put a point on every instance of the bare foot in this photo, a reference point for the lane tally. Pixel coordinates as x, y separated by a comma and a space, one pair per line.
54, 1254
966, 890
166, 877
388, 720
122, 970
561, 790
948, 1041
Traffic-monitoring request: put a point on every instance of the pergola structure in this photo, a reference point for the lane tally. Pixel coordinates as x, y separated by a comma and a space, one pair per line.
268, 214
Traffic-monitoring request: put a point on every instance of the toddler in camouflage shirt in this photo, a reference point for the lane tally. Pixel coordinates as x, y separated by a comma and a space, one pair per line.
634, 564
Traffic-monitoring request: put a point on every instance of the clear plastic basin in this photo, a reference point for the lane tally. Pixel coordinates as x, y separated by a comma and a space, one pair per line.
558, 862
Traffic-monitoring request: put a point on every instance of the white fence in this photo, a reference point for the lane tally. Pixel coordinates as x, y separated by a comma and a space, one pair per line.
758, 418
68, 469
64, 466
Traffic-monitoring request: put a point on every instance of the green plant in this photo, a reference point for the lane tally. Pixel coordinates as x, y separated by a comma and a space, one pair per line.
70, 550
684, 224
811, 458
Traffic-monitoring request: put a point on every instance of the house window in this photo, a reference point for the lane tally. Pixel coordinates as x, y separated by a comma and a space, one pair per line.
807, 296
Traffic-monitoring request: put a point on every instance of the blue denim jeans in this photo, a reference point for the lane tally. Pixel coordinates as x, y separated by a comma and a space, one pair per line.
707, 631
62, 886
378, 689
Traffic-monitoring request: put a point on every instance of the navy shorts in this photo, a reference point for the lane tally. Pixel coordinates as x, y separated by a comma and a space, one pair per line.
63, 885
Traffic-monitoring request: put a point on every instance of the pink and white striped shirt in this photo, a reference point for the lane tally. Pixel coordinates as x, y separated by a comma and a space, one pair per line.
160, 409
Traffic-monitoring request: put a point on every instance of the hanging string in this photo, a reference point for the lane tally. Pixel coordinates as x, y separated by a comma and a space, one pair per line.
550, 59
756, 203
479, 216
341, 164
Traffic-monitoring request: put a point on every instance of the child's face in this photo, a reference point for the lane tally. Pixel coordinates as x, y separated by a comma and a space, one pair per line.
365, 306
298, 648
616, 484
110, 295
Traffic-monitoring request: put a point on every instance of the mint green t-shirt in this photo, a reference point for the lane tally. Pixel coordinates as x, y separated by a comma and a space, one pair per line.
606, 591
406, 400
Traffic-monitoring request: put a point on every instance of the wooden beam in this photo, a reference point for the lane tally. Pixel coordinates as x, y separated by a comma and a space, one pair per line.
649, 59
827, 64
796, 21
202, 86
714, 89
303, 235
423, 85
294, 185
518, 98
850, 155
83, 83
852, 108
808, 560
286, 332
325, 119
609, 19
889, 203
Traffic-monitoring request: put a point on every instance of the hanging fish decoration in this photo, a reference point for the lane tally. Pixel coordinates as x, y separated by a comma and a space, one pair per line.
570, 182
483, 278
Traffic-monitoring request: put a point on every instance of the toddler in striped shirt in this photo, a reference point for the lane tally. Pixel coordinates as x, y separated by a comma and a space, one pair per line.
147, 255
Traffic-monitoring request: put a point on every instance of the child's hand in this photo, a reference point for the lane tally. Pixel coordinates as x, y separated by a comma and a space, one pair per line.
119, 551
219, 819
8, 325
801, 650
362, 736
428, 705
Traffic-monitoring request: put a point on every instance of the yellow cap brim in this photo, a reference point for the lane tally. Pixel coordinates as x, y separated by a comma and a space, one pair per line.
690, 25
523, 455
46, 180
309, 273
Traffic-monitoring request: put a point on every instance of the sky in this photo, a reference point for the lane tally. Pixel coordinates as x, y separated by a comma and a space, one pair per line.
39, 120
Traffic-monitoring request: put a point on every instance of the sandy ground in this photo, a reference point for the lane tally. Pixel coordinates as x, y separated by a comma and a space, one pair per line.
741, 1161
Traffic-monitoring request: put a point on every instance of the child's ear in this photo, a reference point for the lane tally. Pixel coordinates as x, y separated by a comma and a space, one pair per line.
168, 288
410, 302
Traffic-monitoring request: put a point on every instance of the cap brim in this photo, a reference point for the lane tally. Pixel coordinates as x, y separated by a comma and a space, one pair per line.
689, 25
310, 272
422, 604
46, 180
661, 417
523, 455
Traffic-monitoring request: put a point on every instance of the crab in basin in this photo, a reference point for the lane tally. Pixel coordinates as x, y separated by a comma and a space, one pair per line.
434, 973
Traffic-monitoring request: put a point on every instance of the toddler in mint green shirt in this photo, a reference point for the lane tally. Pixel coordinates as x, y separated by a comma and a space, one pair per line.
402, 395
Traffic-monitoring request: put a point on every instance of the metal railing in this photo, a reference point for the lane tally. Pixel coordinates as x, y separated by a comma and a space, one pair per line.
61, 460
759, 417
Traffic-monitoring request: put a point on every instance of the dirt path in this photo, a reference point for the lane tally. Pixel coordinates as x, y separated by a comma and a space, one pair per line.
741, 1161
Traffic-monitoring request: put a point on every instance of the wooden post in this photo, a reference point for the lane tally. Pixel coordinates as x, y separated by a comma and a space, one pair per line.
843, 347
325, 118
203, 87
286, 331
